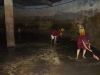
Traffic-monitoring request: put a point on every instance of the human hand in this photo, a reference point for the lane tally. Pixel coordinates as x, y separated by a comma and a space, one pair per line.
90, 50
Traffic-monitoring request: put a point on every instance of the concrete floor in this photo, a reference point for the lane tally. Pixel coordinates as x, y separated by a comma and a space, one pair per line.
36, 55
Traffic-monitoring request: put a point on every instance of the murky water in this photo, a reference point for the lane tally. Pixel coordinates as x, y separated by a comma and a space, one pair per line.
34, 54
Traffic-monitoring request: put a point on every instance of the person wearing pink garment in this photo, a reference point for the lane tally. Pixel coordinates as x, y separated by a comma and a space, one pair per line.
83, 43
54, 35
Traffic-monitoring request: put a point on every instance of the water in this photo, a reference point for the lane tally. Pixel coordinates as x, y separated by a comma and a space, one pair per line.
34, 54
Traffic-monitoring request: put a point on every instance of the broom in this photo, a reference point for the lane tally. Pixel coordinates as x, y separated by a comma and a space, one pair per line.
94, 56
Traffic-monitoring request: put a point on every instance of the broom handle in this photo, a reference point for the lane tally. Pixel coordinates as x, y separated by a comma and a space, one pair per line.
91, 51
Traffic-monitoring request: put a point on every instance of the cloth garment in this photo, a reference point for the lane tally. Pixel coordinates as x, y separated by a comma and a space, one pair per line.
86, 39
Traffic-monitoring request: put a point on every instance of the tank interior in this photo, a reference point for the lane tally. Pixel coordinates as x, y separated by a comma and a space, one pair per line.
25, 41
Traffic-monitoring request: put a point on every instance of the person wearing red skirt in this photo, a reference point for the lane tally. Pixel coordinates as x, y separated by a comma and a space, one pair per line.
54, 35
83, 43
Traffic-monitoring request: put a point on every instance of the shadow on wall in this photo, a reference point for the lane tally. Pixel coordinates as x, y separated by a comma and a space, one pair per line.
91, 25
67, 25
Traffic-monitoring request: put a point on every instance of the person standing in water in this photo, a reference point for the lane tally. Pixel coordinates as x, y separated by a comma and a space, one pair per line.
83, 43
81, 29
54, 35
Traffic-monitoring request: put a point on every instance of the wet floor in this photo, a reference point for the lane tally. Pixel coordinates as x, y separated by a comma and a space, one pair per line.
34, 54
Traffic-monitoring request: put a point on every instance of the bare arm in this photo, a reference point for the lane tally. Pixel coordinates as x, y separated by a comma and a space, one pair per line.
88, 48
